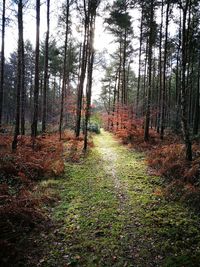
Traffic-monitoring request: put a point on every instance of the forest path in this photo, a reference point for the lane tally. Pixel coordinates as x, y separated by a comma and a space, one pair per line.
111, 213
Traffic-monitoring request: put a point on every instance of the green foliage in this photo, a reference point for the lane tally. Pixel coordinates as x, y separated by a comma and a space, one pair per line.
96, 118
94, 127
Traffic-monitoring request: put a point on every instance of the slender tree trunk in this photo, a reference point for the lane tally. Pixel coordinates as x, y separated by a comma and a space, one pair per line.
64, 71
139, 65
44, 113
36, 81
160, 69
148, 102
114, 99
23, 92
178, 75
145, 78
19, 76
120, 73
197, 108
185, 126
89, 82
82, 74
124, 87
109, 106
2, 60
163, 95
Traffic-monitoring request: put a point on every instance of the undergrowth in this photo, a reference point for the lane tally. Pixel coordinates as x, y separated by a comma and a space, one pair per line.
165, 158
20, 199
112, 213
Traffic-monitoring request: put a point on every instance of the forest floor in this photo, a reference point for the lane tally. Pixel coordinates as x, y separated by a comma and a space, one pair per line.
111, 213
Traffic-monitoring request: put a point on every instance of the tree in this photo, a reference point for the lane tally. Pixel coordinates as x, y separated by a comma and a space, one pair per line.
149, 88
46, 69
163, 92
139, 63
92, 15
36, 82
119, 24
84, 58
2, 60
197, 108
186, 131
64, 67
20, 73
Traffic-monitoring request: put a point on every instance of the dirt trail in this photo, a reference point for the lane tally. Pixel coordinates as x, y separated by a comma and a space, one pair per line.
106, 146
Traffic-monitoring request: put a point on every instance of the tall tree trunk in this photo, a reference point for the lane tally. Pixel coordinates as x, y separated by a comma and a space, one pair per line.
2, 60
36, 81
149, 89
124, 87
23, 92
185, 126
44, 113
82, 74
160, 69
89, 82
197, 108
139, 64
114, 99
19, 76
162, 115
145, 79
64, 71
178, 75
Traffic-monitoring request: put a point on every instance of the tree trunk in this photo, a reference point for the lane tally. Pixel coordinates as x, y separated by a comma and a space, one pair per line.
23, 92
124, 87
185, 126
148, 102
89, 82
197, 108
82, 74
162, 115
139, 65
44, 113
145, 79
19, 76
2, 60
160, 69
36, 81
64, 71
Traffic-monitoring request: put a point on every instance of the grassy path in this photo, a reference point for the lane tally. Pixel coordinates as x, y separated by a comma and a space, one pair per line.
109, 215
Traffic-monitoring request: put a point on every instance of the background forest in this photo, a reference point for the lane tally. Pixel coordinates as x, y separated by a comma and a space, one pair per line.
151, 72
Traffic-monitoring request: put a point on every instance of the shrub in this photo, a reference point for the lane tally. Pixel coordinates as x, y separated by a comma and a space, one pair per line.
94, 128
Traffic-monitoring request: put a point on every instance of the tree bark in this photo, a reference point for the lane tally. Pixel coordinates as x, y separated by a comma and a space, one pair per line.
139, 65
160, 69
148, 102
36, 81
19, 76
64, 71
46, 70
185, 126
2, 60
23, 92
197, 108
82, 74
163, 95
89, 82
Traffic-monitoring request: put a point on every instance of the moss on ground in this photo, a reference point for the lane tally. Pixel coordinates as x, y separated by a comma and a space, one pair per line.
111, 213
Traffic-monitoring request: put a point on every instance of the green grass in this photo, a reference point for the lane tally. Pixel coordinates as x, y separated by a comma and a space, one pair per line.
108, 215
